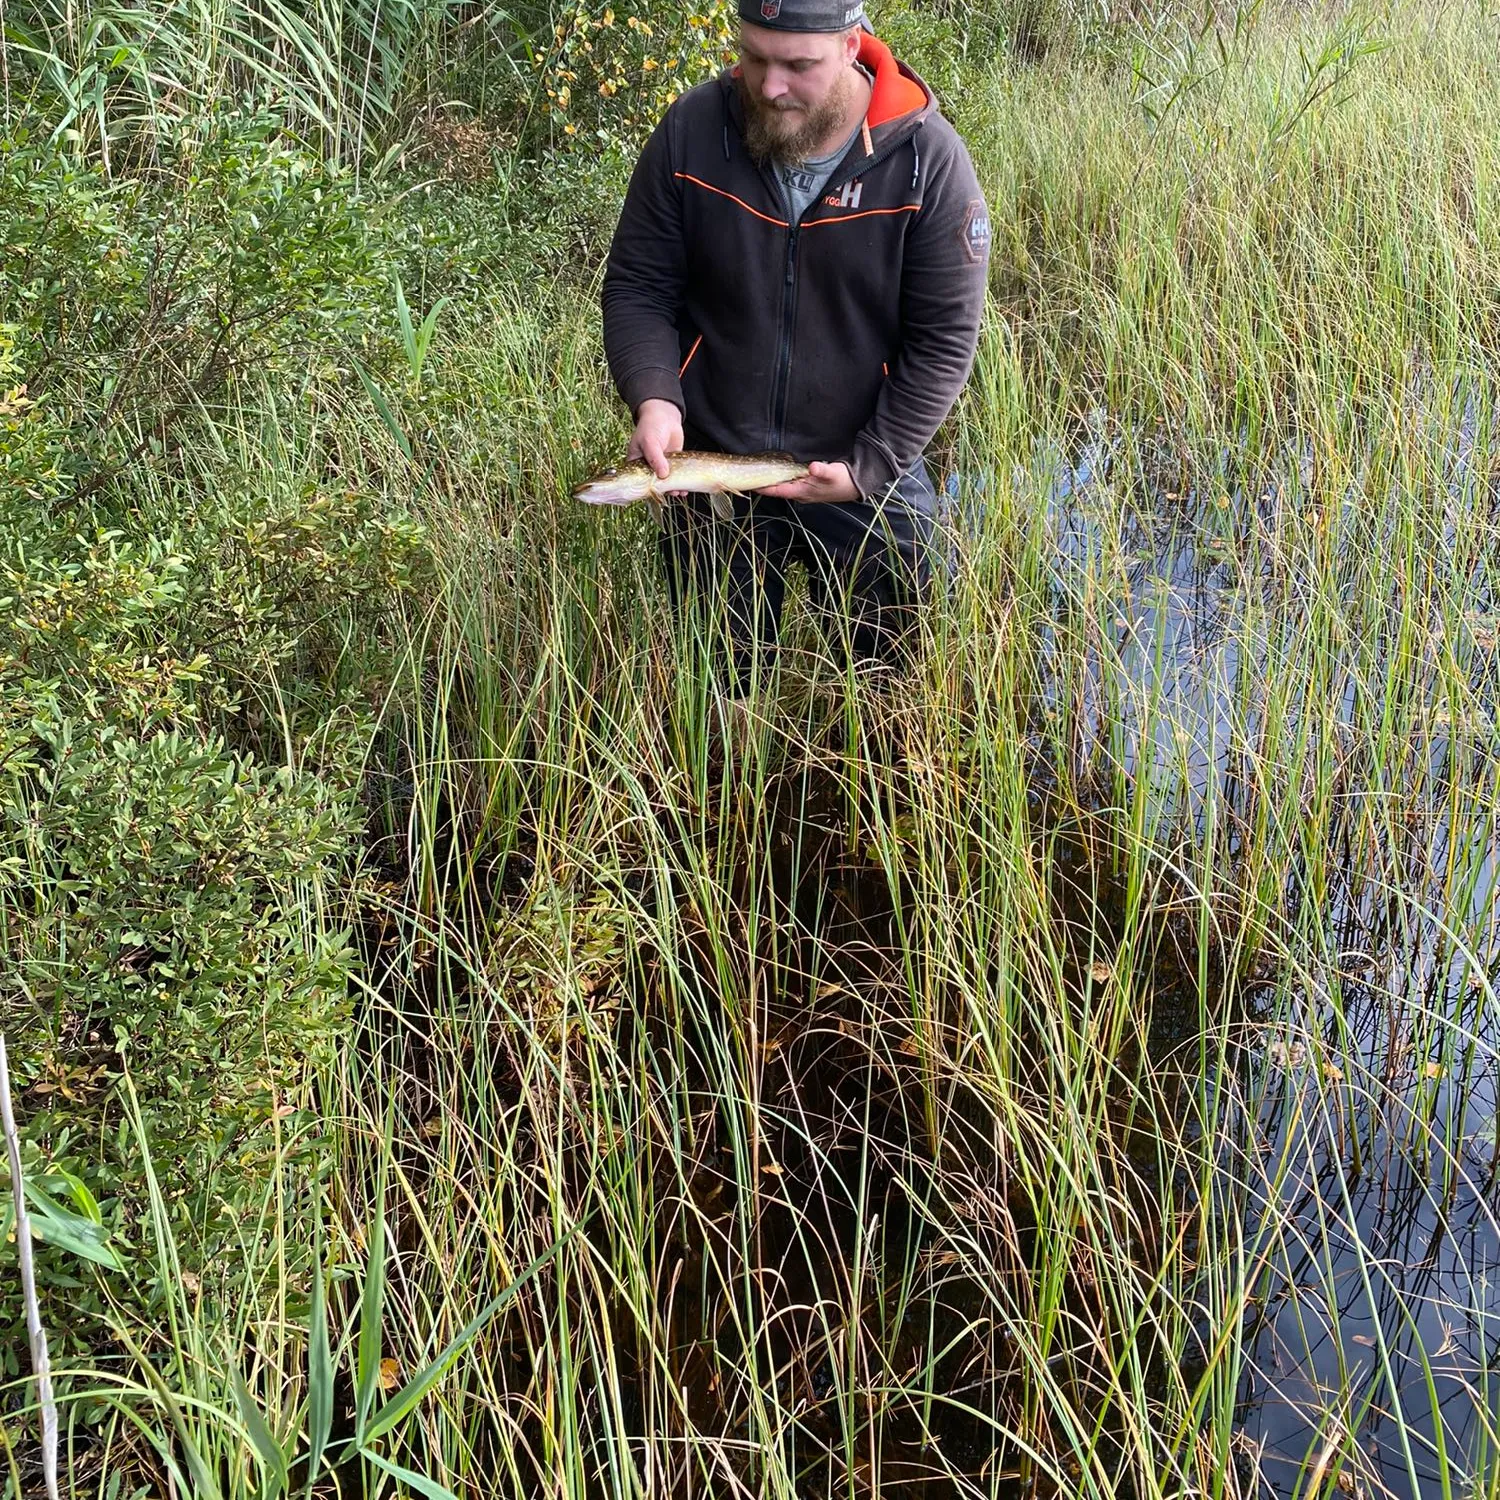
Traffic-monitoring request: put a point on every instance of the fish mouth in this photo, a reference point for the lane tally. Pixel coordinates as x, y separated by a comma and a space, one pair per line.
595, 492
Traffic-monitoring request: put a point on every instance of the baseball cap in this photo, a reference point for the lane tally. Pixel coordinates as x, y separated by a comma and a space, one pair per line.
804, 15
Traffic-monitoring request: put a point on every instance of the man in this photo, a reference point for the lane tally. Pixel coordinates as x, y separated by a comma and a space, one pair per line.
800, 265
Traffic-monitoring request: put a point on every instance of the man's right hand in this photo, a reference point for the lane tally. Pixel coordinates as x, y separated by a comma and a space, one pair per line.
658, 432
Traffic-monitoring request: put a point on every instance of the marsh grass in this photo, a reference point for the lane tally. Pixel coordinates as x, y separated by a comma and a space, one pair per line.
1068, 1068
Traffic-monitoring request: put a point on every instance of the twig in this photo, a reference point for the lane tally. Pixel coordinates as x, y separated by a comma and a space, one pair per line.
38, 1334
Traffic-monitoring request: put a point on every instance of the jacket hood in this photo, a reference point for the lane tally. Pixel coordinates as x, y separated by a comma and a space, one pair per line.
899, 99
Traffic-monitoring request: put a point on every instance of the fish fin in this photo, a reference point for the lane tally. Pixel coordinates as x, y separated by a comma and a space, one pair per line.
654, 506
723, 506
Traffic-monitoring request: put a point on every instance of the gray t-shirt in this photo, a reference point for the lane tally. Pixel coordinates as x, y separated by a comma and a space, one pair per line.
802, 181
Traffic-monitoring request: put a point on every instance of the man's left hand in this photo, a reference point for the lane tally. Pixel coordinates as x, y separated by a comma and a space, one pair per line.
825, 484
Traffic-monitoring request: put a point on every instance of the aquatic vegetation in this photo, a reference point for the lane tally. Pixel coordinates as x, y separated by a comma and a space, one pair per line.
1067, 1068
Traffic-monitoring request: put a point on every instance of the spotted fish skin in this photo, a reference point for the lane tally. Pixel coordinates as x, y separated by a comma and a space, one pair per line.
716, 474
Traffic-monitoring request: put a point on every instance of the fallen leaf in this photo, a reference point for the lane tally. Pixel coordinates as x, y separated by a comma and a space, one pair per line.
390, 1374
1284, 1055
1436, 1070
1101, 970
771, 1169
1333, 1072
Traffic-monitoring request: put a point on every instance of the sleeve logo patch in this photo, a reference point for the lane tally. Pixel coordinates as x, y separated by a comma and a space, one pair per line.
976, 231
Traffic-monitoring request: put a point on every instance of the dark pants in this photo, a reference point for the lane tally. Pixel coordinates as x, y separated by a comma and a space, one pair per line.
868, 565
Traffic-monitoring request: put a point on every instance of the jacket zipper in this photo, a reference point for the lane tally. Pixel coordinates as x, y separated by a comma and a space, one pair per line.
784, 358
782, 388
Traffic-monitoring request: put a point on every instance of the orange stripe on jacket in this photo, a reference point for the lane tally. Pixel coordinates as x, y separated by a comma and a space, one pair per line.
689, 359
864, 213
688, 177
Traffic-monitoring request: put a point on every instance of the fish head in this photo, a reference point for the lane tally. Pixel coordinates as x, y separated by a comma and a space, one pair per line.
604, 488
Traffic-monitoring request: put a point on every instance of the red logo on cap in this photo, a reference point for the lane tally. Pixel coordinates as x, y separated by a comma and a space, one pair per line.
770, 9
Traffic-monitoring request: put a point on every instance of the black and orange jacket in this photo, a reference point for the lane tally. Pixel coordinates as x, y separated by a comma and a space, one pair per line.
846, 336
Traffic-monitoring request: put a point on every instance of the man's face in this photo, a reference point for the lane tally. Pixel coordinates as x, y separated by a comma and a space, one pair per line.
795, 86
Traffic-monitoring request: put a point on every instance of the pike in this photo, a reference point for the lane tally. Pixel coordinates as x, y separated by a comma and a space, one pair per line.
714, 474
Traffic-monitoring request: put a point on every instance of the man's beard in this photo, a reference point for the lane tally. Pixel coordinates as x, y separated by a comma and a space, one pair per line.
767, 137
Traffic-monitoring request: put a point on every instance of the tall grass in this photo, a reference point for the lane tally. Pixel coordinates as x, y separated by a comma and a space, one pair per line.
350, 76
987, 1083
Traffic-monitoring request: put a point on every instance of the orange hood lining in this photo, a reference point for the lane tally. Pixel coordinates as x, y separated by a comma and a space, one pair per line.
894, 93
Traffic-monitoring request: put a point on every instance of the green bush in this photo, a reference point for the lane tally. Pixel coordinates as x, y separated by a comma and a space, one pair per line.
193, 636
607, 78
152, 888
137, 300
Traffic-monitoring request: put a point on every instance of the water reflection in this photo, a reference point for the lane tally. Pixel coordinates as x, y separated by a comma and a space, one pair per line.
1360, 1180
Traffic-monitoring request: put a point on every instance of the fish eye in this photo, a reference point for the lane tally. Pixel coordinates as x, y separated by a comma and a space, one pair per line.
610, 473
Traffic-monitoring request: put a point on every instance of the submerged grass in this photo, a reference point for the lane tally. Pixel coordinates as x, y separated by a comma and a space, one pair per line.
1068, 1069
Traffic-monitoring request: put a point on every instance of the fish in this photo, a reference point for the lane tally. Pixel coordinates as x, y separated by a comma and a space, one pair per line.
717, 475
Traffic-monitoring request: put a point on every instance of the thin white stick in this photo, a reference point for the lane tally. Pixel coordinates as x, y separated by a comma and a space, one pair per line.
39, 1360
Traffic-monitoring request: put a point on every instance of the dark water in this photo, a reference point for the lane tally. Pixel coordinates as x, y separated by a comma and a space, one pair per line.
1361, 1169
1355, 1132
851, 1208
840, 1253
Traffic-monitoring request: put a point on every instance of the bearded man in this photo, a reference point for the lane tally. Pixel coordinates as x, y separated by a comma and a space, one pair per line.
799, 266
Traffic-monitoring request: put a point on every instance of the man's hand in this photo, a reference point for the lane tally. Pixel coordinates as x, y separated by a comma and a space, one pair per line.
825, 484
658, 432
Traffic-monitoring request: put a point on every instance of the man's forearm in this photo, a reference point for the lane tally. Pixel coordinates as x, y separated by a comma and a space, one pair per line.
639, 382
914, 402
944, 274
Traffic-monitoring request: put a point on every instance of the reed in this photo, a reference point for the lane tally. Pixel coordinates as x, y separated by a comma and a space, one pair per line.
1052, 1070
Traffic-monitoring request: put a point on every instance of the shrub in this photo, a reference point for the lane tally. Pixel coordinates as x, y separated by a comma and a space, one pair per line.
154, 888
189, 649
609, 76
141, 298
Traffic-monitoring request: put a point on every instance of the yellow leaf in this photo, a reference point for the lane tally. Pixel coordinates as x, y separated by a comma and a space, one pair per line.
1100, 970
1333, 1072
771, 1169
390, 1374
1436, 1070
